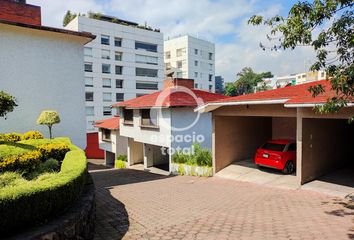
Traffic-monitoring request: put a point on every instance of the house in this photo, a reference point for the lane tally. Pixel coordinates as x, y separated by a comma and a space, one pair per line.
158, 125
192, 58
110, 139
124, 61
241, 124
43, 68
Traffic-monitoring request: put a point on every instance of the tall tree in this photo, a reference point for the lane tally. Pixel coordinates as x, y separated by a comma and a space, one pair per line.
248, 80
230, 89
68, 17
7, 103
327, 26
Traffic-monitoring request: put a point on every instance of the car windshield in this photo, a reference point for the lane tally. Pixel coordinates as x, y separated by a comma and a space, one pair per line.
273, 146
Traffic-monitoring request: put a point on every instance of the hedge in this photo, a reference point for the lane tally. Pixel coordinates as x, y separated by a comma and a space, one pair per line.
34, 202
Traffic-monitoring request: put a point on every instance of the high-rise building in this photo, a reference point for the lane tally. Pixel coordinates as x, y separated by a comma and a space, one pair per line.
219, 84
192, 58
124, 61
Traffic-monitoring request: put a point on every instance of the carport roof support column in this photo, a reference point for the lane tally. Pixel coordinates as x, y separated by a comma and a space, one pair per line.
299, 116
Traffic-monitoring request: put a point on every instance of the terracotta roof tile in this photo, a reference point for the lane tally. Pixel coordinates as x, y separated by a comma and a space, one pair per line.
110, 123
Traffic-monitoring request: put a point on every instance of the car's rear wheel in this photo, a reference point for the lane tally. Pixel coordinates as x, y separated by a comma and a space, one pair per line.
289, 167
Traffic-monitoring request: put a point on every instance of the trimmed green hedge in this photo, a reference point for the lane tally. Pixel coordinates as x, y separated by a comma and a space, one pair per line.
34, 202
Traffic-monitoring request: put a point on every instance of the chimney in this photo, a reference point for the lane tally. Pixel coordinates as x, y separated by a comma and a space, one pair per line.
20, 12
174, 82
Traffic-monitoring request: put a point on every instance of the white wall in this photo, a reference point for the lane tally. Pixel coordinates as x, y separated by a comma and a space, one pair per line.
43, 70
117, 145
129, 35
189, 69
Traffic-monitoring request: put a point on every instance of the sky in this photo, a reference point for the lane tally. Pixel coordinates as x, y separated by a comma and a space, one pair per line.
223, 22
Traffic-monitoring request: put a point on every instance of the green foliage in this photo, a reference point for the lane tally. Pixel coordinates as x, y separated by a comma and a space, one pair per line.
327, 27
230, 89
7, 103
198, 157
32, 135
68, 17
25, 162
49, 118
119, 164
12, 137
53, 150
49, 166
10, 179
33, 202
123, 158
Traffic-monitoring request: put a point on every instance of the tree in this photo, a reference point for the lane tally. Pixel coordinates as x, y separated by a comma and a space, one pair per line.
230, 89
7, 103
248, 80
48, 118
327, 26
68, 17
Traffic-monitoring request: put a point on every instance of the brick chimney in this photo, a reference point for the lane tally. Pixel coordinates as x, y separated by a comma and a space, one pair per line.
19, 11
183, 82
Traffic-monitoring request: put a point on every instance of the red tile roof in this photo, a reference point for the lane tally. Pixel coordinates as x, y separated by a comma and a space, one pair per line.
111, 123
298, 94
172, 97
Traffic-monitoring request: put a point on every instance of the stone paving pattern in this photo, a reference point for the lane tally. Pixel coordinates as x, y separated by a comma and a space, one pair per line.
134, 204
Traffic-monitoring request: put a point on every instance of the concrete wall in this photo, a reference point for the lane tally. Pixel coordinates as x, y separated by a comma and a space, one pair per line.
237, 138
135, 152
43, 70
283, 128
153, 156
184, 117
326, 145
117, 145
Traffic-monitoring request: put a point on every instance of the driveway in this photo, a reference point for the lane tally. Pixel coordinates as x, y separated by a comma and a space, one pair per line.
133, 204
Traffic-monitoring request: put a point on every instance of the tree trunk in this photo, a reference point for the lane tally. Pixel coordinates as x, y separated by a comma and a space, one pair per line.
50, 131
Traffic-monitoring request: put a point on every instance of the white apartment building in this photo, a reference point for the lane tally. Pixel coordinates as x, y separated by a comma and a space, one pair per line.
192, 58
124, 61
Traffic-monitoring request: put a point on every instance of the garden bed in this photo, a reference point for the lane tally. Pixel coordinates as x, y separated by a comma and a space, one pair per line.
190, 170
29, 201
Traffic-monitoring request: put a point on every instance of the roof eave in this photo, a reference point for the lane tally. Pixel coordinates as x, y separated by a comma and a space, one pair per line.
297, 105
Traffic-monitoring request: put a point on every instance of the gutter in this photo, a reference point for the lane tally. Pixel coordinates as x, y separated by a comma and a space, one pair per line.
297, 105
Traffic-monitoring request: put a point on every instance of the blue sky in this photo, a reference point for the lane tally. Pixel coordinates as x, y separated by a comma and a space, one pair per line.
223, 22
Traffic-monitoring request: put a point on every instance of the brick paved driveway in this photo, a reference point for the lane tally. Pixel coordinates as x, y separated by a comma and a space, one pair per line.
133, 204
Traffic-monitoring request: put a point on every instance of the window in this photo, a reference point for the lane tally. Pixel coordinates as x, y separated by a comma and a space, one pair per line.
119, 97
106, 135
168, 65
146, 59
196, 51
90, 125
196, 85
195, 74
87, 52
90, 111
128, 116
210, 88
148, 117
105, 54
106, 83
89, 96
196, 63
117, 42
105, 40
210, 56
179, 64
88, 82
119, 70
119, 83
146, 85
106, 68
292, 147
107, 111
179, 74
168, 55
180, 52
88, 67
146, 46
118, 56
210, 77
273, 146
146, 72
322, 74
107, 97
210, 66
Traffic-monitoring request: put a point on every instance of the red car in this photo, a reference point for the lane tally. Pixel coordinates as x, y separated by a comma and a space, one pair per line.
279, 154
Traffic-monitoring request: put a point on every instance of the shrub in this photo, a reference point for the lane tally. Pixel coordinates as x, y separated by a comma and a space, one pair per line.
199, 157
53, 150
25, 162
12, 137
32, 135
10, 179
180, 157
119, 164
34, 202
123, 158
49, 166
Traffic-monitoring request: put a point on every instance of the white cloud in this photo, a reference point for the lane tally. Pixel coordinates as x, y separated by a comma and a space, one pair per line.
208, 19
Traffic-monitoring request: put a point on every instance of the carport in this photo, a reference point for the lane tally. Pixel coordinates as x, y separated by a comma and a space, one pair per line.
241, 124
